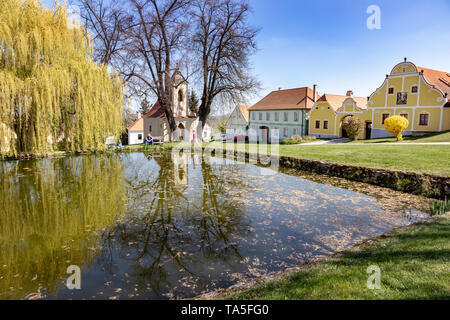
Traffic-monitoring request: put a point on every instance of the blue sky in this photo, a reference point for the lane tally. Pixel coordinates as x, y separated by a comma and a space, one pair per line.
325, 42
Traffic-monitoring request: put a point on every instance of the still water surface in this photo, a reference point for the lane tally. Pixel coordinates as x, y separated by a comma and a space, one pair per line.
146, 227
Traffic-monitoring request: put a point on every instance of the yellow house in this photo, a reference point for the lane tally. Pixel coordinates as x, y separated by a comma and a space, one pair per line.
419, 94
325, 118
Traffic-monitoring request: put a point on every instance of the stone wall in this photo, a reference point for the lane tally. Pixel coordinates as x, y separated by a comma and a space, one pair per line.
427, 185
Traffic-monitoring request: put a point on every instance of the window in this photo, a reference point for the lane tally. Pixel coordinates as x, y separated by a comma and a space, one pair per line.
253, 116
286, 116
268, 116
391, 91
384, 117
277, 117
150, 129
285, 132
325, 124
423, 121
405, 115
295, 131
180, 96
402, 98
317, 124
139, 136
414, 89
296, 116
260, 116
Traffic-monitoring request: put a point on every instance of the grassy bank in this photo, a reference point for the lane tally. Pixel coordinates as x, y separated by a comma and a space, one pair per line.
432, 159
428, 138
414, 264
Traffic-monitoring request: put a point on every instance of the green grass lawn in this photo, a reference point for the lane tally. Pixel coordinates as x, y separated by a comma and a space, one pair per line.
434, 159
414, 264
433, 137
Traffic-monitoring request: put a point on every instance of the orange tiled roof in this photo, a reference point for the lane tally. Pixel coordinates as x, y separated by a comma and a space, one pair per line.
439, 79
300, 98
336, 101
244, 112
137, 126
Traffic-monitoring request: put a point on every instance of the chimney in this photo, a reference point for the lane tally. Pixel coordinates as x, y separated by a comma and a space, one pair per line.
406, 59
279, 88
349, 93
315, 93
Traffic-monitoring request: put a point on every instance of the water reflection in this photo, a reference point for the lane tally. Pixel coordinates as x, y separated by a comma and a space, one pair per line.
163, 226
50, 215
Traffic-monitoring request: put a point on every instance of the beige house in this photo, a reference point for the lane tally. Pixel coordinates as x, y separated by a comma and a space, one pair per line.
238, 121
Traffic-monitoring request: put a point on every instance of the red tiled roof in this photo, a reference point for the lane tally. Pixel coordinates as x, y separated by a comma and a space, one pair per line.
439, 79
155, 112
300, 98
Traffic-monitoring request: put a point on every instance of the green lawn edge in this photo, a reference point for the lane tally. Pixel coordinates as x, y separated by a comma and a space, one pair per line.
414, 263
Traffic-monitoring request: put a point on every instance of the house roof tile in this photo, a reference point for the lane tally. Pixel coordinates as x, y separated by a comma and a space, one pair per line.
300, 98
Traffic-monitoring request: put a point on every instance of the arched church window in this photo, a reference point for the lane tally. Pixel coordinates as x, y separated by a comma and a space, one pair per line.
180, 96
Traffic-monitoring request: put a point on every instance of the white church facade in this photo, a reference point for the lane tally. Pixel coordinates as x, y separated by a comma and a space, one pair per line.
155, 123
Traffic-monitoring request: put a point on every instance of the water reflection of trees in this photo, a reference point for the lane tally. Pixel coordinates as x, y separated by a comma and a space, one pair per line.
175, 230
50, 213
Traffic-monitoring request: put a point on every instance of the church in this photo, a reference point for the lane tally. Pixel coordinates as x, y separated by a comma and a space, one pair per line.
155, 124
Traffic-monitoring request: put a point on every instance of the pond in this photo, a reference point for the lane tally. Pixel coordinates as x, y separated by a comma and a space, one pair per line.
143, 226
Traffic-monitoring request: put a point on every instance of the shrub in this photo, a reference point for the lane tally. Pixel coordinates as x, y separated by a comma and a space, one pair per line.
395, 125
296, 137
290, 141
353, 126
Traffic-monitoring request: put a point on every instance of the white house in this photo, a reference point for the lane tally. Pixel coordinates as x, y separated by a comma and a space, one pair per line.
136, 132
238, 121
284, 111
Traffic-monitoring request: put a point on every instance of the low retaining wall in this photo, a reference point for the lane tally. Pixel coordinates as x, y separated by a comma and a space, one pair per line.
415, 183
423, 184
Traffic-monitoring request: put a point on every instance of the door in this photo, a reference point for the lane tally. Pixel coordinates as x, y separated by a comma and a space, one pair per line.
368, 130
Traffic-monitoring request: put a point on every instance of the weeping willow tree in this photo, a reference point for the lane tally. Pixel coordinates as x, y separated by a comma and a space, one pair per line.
52, 94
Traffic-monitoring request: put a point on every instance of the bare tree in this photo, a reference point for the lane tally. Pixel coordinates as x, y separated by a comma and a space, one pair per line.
107, 21
153, 47
223, 43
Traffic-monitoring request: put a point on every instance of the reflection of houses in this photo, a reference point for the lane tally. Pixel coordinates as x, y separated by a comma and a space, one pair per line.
418, 94
155, 123
283, 110
238, 121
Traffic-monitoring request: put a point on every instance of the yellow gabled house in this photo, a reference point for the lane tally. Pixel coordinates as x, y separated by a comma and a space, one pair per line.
419, 94
325, 118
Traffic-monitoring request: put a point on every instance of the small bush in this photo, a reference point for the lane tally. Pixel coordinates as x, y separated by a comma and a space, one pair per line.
353, 126
296, 137
438, 208
395, 125
290, 141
